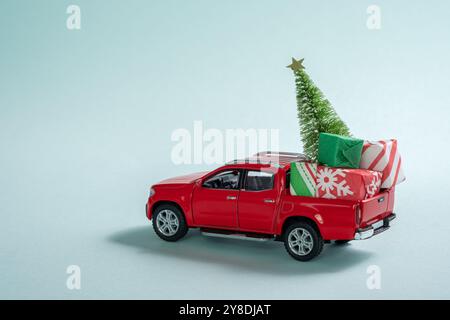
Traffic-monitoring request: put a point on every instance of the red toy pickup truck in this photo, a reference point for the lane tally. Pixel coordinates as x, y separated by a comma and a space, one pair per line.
250, 199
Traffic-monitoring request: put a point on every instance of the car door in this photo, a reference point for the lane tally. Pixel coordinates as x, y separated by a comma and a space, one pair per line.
258, 201
215, 200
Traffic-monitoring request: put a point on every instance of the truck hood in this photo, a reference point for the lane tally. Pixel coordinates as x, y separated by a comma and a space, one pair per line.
186, 179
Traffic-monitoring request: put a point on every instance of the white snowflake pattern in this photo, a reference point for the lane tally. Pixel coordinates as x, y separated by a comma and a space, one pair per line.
327, 180
374, 185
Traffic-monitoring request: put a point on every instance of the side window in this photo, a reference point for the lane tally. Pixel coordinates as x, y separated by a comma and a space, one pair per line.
223, 180
259, 180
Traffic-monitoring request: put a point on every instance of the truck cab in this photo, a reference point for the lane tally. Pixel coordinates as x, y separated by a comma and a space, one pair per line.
250, 199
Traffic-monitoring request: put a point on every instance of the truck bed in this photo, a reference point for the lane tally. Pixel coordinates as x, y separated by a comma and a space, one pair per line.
339, 219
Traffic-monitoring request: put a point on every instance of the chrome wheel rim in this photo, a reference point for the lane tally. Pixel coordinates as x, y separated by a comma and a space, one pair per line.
300, 241
167, 222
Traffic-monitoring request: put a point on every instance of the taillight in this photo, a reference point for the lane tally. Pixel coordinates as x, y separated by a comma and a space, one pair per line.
358, 215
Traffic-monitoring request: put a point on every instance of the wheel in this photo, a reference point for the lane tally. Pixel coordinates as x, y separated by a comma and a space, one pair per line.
169, 223
341, 242
302, 241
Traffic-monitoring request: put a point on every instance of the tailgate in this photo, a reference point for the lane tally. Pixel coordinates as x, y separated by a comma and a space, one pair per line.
374, 208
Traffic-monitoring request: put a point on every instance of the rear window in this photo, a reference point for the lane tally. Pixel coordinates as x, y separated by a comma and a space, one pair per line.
288, 178
259, 180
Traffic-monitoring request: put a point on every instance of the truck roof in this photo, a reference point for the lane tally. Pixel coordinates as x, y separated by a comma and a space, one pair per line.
277, 159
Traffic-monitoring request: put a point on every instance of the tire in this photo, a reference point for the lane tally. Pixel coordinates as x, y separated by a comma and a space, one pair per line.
311, 242
341, 242
169, 223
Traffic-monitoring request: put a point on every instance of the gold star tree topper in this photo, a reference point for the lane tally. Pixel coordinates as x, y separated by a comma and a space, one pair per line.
296, 65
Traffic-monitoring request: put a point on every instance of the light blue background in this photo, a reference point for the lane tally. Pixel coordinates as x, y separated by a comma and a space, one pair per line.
86, 118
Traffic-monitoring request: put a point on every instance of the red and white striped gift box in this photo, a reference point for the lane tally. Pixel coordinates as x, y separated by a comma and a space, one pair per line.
383, 156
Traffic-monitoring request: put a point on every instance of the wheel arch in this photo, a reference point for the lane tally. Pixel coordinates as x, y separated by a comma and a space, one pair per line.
167, 202
298, 218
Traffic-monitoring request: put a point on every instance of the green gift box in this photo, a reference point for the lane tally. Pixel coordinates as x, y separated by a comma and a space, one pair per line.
339, 151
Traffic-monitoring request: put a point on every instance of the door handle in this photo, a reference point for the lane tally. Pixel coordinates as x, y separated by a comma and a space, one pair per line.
231, 198
269, 200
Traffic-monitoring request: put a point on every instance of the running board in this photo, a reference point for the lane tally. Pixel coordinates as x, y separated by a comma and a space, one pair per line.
238, 236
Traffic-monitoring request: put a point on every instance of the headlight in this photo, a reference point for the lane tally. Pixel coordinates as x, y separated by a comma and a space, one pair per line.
152, 192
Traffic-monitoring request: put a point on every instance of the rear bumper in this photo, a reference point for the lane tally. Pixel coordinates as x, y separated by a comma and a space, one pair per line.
374, 229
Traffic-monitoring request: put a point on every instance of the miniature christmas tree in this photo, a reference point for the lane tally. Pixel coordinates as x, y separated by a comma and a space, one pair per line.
315, 112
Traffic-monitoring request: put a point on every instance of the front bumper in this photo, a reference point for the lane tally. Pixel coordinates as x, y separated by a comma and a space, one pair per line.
148, 212
375, 228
